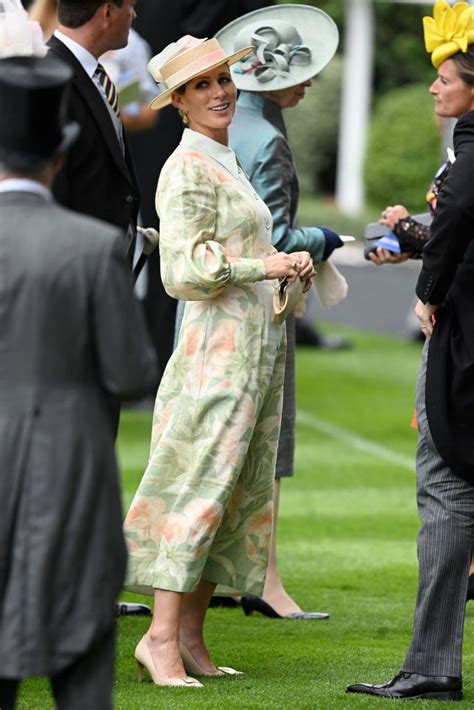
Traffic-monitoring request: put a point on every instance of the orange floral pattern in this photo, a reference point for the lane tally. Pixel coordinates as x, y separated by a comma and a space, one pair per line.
203, 508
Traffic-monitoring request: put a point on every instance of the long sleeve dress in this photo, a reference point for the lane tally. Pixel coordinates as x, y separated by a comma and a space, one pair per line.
203, 509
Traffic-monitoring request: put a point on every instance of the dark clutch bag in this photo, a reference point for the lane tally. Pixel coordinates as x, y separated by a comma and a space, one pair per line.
374, 232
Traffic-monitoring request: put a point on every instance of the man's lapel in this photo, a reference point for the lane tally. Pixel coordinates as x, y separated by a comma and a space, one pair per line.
90, 93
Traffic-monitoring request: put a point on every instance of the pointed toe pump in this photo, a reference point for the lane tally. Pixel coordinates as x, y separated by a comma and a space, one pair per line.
192, 665
145, 660
251, 604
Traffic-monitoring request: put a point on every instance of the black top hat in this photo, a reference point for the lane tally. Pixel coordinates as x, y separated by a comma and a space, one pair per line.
33, 101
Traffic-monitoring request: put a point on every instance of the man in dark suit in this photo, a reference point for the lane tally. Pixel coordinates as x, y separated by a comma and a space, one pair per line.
62, 552
97, 177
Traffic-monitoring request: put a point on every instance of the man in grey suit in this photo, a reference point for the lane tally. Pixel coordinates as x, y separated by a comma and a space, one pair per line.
71, 334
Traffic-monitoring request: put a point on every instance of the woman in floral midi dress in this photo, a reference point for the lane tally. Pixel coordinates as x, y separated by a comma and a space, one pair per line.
202, 514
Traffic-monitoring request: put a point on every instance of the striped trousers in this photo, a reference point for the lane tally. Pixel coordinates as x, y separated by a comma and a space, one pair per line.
446, 510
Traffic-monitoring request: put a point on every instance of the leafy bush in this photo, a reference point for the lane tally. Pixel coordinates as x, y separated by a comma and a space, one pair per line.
404, 148
313, 130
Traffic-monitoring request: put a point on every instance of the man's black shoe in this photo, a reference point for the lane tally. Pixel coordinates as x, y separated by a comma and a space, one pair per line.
131, 609
413, 685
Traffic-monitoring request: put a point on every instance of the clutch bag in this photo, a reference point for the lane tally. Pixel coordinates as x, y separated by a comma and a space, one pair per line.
286, 297
375, 232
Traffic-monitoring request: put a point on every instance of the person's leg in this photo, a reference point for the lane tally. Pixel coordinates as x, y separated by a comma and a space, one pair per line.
191, 628
87, 683
274, 593
162, 637
432, 666
446, 509
8, 693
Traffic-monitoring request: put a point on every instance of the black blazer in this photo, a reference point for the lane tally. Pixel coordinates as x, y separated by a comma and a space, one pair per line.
97, 179
447, 278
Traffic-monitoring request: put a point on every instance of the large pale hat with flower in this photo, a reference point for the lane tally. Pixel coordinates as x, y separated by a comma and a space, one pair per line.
450, 30
291, 44
184, 60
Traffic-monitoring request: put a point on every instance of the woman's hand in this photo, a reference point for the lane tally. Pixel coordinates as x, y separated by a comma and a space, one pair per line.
282, 266
392, 215
384, 256
305, 264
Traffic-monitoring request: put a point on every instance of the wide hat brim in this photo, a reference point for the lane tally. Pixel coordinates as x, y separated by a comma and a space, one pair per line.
164, 99
317, 30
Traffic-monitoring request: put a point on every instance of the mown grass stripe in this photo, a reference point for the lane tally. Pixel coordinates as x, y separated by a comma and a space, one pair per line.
354, 440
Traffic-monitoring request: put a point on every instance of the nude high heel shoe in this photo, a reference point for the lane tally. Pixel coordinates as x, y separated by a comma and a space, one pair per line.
145, 660
192, 665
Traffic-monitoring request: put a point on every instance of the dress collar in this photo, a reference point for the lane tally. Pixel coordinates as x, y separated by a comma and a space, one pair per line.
221, 153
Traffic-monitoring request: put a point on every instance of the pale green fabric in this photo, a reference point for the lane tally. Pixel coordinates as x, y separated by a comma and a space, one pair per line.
204, 507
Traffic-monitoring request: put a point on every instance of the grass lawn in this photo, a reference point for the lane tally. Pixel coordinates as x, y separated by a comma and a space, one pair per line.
348, 525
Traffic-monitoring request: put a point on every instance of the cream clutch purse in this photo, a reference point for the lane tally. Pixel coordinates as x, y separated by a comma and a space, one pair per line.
286, 298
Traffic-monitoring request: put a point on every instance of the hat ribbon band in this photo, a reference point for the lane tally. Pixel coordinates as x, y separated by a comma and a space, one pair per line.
199, 66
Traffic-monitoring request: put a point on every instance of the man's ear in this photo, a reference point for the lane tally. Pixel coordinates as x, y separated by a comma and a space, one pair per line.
104, 12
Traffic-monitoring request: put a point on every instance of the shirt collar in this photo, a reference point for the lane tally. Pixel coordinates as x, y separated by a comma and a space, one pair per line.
83, 56
221, 153
24, 185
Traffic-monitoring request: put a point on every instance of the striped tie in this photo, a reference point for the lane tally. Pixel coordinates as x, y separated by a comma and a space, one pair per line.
109, 88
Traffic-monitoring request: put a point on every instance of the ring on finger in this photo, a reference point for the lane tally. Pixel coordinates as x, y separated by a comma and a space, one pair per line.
295, 266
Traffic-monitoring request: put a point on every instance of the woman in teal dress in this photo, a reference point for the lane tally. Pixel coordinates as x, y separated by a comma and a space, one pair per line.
202, 514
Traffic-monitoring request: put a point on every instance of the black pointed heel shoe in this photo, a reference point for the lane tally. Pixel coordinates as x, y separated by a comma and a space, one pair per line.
251, 604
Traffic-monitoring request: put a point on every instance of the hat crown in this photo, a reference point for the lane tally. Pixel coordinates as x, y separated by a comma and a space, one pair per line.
276, 32
177, 56
33, 96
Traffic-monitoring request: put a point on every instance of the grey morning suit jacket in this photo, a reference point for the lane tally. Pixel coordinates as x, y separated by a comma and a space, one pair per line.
71, 333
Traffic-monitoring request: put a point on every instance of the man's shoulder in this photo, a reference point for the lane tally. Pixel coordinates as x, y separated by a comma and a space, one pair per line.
91, 233
86, 222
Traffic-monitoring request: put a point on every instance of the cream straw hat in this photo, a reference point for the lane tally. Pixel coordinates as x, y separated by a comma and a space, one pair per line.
185, 59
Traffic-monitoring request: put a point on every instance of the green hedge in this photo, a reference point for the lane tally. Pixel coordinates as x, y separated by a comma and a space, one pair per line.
404, 148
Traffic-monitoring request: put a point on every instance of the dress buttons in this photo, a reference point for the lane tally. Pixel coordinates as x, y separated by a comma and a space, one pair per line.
129, 199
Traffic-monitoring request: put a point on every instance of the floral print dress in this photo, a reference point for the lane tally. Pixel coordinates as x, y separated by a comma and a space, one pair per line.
203, 509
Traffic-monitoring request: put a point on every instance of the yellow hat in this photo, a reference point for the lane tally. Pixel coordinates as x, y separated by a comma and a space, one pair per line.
450, 30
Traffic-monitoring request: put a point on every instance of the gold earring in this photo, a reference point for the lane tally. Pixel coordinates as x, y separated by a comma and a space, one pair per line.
185, 117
